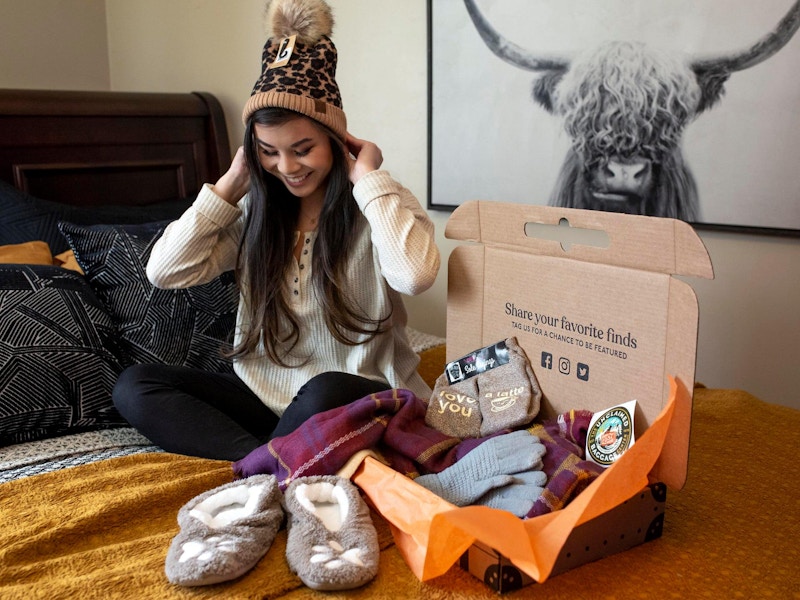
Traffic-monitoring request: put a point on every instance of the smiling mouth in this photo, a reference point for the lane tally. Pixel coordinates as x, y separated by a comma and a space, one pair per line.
296, 180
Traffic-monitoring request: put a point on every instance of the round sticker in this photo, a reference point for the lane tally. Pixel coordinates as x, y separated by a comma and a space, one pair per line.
610, 435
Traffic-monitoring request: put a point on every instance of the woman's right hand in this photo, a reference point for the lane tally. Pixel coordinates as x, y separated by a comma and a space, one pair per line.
236, 181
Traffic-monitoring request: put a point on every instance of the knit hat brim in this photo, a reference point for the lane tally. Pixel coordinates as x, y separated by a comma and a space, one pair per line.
327, 114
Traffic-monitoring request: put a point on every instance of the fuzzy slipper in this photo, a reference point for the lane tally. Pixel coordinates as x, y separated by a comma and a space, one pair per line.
225, 531
331, 540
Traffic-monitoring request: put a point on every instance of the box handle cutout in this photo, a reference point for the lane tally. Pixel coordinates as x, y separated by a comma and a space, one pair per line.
566, 234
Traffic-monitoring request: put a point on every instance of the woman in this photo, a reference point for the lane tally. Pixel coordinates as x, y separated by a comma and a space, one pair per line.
323, 244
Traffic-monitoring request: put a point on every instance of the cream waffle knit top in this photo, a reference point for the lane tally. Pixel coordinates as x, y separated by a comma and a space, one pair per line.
394, 254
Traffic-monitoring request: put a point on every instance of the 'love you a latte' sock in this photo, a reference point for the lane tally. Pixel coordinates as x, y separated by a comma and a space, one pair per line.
489, 390
509, 395
453, 408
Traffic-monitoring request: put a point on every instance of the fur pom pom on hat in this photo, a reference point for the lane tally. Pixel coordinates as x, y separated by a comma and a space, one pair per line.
299, 64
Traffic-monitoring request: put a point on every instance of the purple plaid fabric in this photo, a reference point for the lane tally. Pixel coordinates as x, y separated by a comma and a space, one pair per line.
393, 423
567, 473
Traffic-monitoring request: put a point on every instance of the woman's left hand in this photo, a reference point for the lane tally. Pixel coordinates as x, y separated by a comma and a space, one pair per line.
364, 157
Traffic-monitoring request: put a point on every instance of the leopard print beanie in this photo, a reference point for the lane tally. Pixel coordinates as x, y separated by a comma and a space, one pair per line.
299, 64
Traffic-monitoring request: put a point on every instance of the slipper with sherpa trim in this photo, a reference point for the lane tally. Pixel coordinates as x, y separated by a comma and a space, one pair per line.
331, 539
225, 531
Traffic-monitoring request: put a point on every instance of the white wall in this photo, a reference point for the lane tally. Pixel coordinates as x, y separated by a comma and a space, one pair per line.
53, 45
749, 323
188, 45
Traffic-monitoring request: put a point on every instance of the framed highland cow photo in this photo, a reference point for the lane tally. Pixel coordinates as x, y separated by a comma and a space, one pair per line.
679, 108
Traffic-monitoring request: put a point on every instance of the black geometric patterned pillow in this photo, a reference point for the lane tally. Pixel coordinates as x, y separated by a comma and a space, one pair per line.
27, 218
177, 327
57, 361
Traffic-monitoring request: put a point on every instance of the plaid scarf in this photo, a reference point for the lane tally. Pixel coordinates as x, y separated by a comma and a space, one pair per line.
393, 424
567, 473
390, 422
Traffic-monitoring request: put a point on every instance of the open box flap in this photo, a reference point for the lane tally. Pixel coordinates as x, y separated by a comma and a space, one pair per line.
667, 246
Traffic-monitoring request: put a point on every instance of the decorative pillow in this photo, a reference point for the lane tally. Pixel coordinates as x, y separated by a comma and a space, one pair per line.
66, 260
27, 218
178, 327
57, 365
26, 253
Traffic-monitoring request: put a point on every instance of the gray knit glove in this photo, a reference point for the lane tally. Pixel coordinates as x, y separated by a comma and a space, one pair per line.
519, 496
491, 465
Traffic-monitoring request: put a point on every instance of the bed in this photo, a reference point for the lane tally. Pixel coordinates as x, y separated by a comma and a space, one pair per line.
113, 168
89, 506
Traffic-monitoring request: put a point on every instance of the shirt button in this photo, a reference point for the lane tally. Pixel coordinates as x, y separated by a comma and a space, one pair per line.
302, 266
296, 293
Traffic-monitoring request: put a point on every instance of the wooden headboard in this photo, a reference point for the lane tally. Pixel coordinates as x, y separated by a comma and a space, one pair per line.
99, 148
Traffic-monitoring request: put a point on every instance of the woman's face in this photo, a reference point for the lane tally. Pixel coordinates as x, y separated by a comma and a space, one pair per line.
298, 153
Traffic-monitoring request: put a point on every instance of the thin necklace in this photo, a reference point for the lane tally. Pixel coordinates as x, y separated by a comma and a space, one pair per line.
312, 220
309, 218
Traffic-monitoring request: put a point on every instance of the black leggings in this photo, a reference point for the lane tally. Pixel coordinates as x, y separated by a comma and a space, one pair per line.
215, 415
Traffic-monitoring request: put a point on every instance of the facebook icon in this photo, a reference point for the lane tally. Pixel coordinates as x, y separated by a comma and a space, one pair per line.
547, 360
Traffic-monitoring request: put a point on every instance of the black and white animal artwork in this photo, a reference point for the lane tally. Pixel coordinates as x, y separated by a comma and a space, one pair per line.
625, 106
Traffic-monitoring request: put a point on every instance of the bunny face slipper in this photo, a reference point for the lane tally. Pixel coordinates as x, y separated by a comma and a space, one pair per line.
225, 531
331, 540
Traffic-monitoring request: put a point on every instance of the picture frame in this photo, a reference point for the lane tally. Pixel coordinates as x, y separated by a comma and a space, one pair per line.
489, 139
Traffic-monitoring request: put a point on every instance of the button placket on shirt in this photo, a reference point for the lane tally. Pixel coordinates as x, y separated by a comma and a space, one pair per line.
301, 269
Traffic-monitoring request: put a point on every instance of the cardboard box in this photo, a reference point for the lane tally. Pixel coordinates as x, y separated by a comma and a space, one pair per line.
613, 320
593, 299
638, 520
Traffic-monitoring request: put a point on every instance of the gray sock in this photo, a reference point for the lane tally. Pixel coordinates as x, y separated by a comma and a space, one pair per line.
225, 531
331, 540
509, 395
454, 409
492, 389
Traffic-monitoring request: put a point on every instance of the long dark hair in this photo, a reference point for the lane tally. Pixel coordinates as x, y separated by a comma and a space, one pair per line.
266, 251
